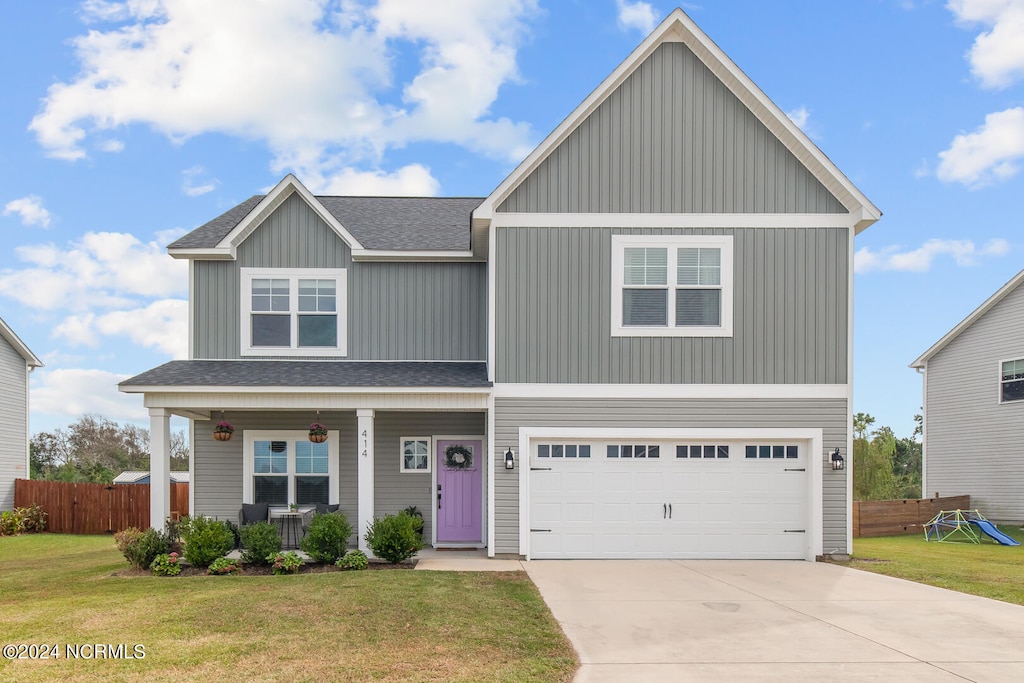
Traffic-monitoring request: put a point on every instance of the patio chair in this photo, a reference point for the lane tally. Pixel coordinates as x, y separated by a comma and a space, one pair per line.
252, 513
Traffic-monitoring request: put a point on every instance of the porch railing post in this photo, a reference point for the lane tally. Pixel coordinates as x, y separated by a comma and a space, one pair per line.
159, 467
364, 453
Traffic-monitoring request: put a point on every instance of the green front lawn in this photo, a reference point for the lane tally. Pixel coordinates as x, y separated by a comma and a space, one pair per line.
990, 570
365, 626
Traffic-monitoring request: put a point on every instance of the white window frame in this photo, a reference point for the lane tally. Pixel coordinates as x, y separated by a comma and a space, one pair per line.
672, 243
1001, 381
291, 436
401, 454
293, 275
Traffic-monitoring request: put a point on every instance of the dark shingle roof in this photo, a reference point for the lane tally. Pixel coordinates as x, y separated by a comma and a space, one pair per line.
270, 373
391, 223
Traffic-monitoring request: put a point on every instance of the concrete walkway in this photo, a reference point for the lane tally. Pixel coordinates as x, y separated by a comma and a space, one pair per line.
432, 559
666, 620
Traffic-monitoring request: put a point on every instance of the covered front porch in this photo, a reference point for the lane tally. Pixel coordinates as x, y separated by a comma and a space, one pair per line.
387, 448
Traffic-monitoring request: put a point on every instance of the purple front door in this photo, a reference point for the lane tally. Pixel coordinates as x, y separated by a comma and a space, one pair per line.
459, 481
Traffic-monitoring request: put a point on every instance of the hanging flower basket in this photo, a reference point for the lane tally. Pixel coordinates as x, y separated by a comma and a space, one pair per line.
458, 457
223, 431
317, 432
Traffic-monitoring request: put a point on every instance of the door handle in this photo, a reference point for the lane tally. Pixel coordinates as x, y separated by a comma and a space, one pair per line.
438, 496
670, 510
664, 511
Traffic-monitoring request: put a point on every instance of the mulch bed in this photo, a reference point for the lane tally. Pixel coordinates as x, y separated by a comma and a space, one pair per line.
265, 570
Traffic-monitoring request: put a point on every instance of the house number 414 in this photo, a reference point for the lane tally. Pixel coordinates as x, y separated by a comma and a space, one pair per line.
364, 443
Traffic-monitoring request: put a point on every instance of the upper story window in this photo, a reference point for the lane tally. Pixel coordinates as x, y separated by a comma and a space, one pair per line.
671, 286
1012, 380
297, 312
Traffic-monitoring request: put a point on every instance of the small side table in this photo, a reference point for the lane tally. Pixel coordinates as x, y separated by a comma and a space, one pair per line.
290, 523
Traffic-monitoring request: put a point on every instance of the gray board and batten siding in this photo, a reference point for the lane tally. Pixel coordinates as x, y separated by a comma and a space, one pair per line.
13, 421
396, 311
553, 311
217, 465
973, 442
672, 138
511, 414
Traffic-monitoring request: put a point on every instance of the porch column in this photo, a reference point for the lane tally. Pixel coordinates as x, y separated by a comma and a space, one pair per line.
159, 467
364, 446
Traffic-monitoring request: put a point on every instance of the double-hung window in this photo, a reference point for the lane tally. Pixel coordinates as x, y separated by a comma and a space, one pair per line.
1011, 384
283, 468
672, 286
293, 312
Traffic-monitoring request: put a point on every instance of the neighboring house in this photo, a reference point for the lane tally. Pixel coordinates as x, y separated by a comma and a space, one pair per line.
16, 362
974, 407
137, 477
644, 330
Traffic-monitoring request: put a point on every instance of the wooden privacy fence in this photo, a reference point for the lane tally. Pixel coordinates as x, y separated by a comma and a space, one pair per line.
94, 508
894, 517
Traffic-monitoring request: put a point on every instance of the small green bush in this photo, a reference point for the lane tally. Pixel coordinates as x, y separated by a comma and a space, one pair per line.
166, 565
394, 538
205, 540
22, 520
223, 565
258, 541
284, 563
140, 548
354, 559
326, 540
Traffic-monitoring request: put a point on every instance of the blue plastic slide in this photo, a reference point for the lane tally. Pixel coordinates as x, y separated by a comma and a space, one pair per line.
989, 529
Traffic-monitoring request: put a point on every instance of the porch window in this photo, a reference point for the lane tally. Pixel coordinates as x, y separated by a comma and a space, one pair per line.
297, 312
415, 454
285, 468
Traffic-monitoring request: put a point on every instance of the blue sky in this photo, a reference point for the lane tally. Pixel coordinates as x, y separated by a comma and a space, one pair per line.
125, 124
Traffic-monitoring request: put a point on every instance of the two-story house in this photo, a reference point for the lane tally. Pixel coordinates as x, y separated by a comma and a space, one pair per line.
16, 362
638, 345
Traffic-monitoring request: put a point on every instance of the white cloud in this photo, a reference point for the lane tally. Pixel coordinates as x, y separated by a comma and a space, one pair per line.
413, 180
162, 325
997, 56
988, 154
636, 15
102, 269
195, 183
312, 79
799, 116
31, 210
113, 146
963, 253
74, 392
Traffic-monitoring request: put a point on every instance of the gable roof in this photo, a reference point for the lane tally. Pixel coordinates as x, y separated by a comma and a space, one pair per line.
678, 27
366, 224
30, 358
981, 310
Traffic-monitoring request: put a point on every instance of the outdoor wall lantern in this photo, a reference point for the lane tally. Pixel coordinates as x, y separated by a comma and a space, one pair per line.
837, 460
510, 460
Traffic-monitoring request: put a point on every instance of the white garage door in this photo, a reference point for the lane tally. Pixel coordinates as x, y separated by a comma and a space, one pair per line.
668, 499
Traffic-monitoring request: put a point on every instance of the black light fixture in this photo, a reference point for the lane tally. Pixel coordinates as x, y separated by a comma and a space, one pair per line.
510, 460
837, 460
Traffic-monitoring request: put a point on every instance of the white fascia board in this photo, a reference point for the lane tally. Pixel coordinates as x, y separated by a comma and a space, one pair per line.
289, 185
670, 391
204, 254
194, 389
674, 220
981, 310
15, 341
678, 27
415, 256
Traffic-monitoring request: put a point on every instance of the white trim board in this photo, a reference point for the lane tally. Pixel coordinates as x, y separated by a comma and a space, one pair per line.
709, 391
672, 220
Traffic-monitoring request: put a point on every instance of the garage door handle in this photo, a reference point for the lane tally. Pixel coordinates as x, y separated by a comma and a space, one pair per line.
664, 511
670, 510
546, 531
794, 531
795, 469
540, 469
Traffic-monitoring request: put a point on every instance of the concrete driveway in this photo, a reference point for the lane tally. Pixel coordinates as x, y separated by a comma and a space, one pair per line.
668, 620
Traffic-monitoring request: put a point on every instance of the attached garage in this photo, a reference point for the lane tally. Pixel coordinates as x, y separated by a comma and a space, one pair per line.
737, 494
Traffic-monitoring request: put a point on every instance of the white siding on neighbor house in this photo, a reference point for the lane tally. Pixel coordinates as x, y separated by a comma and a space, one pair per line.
829, 415
13, 422
974, 444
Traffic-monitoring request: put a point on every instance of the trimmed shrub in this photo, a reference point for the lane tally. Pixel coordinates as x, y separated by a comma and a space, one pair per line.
394, 538
22, 520
258, 541
326, 540
223, 566
284, 563
205, 540
354, 559
140, 548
